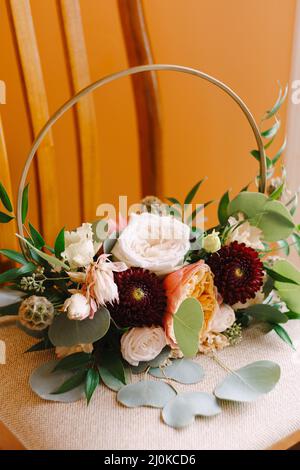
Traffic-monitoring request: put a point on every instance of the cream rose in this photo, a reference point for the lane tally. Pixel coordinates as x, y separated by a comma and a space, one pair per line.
142, 344
224, 318
245, 233
79, 247
153, 242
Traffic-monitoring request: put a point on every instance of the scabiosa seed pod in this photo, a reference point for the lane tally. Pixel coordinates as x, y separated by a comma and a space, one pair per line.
238, 272
36, 313
142, 299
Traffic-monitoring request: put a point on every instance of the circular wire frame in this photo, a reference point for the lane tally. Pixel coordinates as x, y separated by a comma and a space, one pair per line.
125, 73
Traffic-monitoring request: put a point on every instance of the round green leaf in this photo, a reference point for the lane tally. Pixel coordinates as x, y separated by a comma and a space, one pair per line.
65, 332
44, 382
289, 293
146, 393
110, 380
182, 410
249, 382
248, 203
188, 321
182, 370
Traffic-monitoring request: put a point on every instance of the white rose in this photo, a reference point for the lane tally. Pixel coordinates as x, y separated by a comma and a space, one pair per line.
142, 344
224, 318
77, 306
63, 351
153, 242
79, 247
245, 233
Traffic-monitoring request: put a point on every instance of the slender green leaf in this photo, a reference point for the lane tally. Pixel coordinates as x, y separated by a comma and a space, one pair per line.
5, 199
41, 346
283, 334
5, 218
50, 259
10, 309
269, 143
14, 255
281, 98
222, 209
272, 131
73, 361
279, 277
14, 273
59, 245
198, 209
256, 155
71, 383
37, 238
173, 200
277, 193
292, 315
25, 203
266, 313
111, 361
193, 192
92, 381
279, 153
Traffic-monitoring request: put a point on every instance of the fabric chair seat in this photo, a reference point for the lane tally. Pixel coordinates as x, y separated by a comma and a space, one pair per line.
105, 424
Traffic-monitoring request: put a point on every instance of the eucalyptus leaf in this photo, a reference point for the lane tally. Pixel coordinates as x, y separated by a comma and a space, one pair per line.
181, 410
109, 380
65, 332
266, 313
290, 294
146, 393
288, 270
181, 370
43, 382
188, 321
250, 382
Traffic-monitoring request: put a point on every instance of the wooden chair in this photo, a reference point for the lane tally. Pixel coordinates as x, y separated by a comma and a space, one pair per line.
147, 111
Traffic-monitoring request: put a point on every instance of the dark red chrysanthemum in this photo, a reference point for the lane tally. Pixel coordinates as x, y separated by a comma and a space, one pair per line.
238, 272
142, 298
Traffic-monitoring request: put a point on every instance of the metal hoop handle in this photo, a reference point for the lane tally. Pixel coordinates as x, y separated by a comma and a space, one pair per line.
125, 73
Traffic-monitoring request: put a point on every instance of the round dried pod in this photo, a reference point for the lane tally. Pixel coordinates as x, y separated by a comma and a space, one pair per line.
36, 313
152, 204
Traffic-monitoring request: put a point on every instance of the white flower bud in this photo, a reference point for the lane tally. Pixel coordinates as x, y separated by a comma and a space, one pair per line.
212, 242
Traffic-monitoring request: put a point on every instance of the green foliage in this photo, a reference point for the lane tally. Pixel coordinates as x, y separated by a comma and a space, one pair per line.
192, 193
41, 345
112, 362
73, 361
272, 217
73, 382
14, 273
5, 218
222, 209
265, 313
188, 321
25, 203
92, 381
283, 334
52, 260
4, 198
14, 255
59, 245
36, 237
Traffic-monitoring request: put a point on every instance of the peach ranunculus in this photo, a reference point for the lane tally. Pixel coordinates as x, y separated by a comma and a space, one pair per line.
194, 280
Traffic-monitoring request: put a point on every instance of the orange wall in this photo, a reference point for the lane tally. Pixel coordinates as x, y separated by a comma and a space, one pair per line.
247, 44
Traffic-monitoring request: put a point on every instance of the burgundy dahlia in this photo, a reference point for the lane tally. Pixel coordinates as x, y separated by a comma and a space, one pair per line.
238, 272
142, 298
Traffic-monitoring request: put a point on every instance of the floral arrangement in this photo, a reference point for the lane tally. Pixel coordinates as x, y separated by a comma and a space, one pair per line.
148, 294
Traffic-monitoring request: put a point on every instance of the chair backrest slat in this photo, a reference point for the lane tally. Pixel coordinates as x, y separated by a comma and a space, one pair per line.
78, 67
7, 231
146, 95
30, 67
